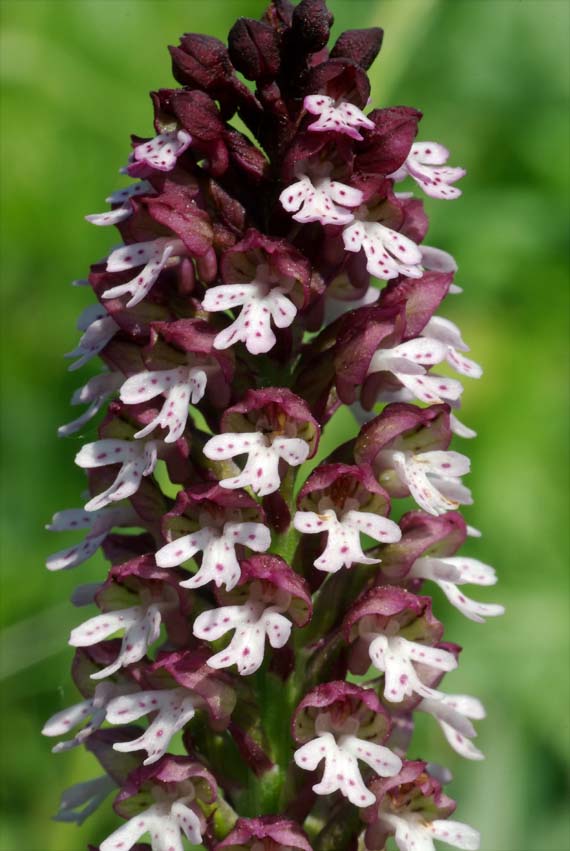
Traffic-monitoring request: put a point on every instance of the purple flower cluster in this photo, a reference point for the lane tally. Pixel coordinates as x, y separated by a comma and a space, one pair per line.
270, 613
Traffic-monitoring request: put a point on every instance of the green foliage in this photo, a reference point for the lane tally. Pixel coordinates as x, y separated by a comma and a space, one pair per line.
491, 79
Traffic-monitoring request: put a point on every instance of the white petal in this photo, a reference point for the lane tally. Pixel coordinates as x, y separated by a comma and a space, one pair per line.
470, 608
309, 755
256, 536
432, 389
70, 518
102, 626
425, 493
214, 623
294, 450
311, 523
283, 311
104, 452
186, 547
382, 760
228, 445
62, 722
374, 525
460, 429
73, 556
455, 833
430, 153
433, 656
471, 570
277, 628
228, 296
437, 260
460, 743
126, 835
188, 822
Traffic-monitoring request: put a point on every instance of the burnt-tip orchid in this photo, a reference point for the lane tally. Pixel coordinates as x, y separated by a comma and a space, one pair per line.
252, 666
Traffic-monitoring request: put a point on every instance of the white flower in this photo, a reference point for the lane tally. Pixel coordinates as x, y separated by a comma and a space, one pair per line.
99, 524
426, 165
166, 822
99, 329
174, 708
414, 833
341, 769
343, 542
124, 210
452, 712
153, 256
261, 471
94, 708
252, 622
136, 460
141, 625
407, 362
261, 301
448, 334
163, 151
323, 201
433, 478
388, 253
94, 394
448, 573
395, 657
182, 385
219, 560
340, 116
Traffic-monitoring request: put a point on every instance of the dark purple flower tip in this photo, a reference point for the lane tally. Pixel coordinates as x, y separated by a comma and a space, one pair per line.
362, 46
340, 701
241, 262
273, 409
167, 770
220, 504
203, 62
406, 428
280, 833
276, 578
118, 765
339, 483
423, 535
176, 210
254, 49
339, 79
419, 299
394, 609
279, 14
189, 668
311, 23
414, 789
194, 336
385, 148
361, 333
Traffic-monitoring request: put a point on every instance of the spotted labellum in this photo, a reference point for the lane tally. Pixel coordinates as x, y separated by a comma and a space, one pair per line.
252, 666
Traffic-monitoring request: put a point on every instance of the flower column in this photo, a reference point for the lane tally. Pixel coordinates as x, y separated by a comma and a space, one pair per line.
264, 280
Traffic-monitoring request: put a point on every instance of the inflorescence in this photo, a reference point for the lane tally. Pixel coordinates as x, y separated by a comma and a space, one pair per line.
275, 631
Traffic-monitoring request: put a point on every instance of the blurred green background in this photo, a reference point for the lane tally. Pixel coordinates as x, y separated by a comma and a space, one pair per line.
492, 79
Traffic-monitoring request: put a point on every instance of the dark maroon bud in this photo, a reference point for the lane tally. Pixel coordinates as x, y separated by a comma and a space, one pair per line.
362, 46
